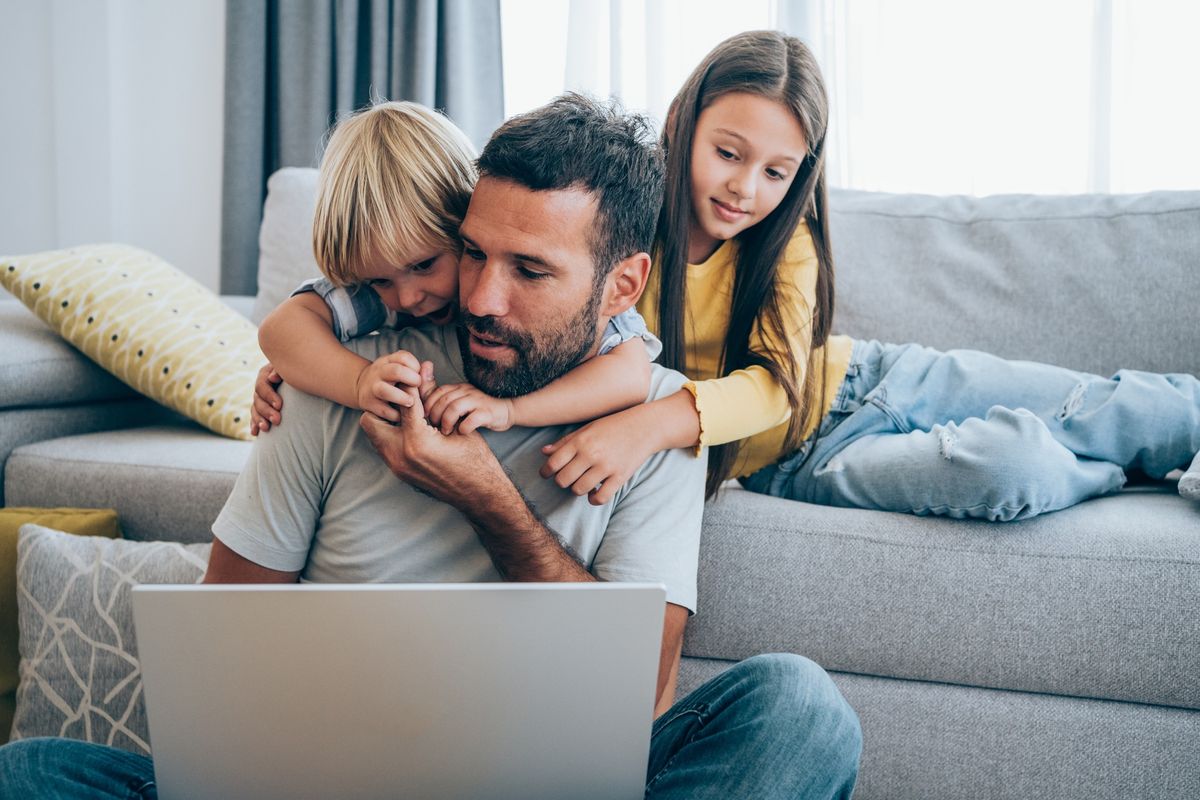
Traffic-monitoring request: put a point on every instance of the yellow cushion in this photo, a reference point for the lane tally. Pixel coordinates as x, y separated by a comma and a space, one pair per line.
81, 521
147, 323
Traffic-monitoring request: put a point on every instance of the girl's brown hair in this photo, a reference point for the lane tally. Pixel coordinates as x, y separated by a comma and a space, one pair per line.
780, 68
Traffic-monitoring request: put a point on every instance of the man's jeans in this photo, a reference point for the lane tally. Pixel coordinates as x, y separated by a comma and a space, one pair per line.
772, 726
967, 434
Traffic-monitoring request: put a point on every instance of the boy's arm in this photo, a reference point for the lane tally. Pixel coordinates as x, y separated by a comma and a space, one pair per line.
298, 339
601, 385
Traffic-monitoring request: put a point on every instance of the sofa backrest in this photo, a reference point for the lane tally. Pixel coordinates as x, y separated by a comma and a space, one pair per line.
1091, 282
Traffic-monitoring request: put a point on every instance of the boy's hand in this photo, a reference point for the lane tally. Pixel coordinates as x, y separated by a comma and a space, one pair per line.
376, 386
265, 410
462, 406
600, 457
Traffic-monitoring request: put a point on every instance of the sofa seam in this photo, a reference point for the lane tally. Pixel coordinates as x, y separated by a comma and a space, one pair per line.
1032, 692
875, 540
49, 459
1040, 218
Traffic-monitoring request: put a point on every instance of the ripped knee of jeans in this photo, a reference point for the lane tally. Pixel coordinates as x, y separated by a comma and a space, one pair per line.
1073, 402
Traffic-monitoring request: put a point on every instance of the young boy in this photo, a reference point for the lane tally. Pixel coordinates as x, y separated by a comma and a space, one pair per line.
393, 187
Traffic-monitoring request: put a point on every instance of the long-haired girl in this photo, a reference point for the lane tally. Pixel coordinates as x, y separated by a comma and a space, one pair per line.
742, 299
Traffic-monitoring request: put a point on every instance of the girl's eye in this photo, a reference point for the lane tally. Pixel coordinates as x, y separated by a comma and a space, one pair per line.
725, 154
775, 175
423, 266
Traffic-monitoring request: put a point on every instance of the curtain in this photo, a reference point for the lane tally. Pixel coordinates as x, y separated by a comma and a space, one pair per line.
292, 67
935, 96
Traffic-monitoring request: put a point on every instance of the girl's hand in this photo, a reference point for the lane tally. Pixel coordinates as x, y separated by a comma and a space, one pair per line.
264, 411
376, 386
600, 457
462, 406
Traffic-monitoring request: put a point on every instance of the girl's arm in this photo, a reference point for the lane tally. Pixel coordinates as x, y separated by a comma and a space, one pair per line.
297, 337
600, 457
601, 385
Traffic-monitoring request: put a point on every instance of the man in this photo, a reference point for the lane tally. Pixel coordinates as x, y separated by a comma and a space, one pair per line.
555, 243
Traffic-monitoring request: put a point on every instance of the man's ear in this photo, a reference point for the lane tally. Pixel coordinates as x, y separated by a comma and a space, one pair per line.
625, 284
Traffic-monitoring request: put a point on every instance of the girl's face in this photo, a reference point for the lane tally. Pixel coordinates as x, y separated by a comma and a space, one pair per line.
745, 154
426, 286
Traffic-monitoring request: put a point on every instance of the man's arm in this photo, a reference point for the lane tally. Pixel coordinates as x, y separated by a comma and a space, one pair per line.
461, 470
674, 622
227, 566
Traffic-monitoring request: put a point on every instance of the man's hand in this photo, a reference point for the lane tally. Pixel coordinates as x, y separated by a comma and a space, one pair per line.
380, 386
462, 407
265, 410
458, 469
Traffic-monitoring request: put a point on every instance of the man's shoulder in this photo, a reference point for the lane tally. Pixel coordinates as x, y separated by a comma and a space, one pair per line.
427, 342
664, 381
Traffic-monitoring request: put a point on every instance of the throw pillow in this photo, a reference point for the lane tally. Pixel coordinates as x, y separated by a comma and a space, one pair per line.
81, 521
285, 250
79, 670
147, 323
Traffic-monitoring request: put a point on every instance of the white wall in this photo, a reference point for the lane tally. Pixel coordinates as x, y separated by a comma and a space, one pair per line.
111, 127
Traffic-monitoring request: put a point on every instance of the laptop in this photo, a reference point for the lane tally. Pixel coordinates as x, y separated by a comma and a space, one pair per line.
522, 691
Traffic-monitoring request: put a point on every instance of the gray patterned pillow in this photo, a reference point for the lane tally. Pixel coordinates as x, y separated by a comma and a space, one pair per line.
79, 670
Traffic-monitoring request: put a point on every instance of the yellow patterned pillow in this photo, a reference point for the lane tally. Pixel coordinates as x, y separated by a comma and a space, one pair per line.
146, 322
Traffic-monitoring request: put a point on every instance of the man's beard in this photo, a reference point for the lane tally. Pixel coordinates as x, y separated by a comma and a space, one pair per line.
537, 362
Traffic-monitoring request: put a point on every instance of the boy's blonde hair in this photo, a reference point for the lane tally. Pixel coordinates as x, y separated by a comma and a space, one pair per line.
395, 177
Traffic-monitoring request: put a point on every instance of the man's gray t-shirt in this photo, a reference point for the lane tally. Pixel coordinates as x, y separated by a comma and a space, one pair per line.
315, 497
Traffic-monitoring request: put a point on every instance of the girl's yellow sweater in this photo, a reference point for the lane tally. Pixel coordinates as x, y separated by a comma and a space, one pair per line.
748, 403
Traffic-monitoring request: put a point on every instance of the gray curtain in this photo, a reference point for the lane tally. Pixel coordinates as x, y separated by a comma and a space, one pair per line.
293, 66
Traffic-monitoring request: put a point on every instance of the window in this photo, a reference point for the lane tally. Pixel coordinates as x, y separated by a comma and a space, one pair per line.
938, 96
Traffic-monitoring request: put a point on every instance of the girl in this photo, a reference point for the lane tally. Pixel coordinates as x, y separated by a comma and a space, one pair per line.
743, 304
392, 190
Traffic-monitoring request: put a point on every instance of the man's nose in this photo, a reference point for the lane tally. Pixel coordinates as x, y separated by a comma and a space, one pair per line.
487, 296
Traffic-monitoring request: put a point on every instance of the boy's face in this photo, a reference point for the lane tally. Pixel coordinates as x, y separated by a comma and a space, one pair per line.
425, 286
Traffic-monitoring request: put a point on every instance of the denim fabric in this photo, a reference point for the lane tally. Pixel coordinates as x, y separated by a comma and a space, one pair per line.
967, 434
770, 727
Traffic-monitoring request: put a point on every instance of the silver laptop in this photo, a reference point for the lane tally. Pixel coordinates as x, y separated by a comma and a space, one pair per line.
522, 691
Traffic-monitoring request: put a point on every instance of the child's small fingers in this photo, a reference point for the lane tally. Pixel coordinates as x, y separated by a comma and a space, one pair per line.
474, 421
588, 482
570, 472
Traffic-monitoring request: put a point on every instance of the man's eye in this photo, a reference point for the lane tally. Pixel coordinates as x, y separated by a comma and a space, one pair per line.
423, 266
531, 275
473, 254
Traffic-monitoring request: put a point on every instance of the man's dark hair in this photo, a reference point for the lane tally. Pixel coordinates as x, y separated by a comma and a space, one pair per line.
575, 141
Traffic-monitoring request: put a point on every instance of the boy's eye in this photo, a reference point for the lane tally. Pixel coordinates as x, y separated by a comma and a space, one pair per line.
382, 283
423, 266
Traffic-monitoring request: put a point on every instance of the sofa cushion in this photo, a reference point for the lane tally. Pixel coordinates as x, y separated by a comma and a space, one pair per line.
81, 521
1095, 601
80, 676
285, 250
148, 324
39, 368
1092, 282
165, 481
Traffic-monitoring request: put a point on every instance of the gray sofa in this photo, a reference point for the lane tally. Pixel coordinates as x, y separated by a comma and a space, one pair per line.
1053, 658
